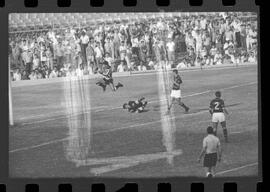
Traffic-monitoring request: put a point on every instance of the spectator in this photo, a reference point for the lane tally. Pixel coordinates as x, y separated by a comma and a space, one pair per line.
109, 59
198, 38
251, 37
218, 58
190, 41
35, 62
54, 73
84, 39
171, 52
252, 57
24, 76
143, 51
142, 67
182, 64
145, 44
122, 67
79, 71
28, 62
98, 55
17, 75
59, 52
33, 75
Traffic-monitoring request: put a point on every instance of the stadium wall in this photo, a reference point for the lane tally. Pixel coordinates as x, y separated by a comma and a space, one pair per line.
117, 74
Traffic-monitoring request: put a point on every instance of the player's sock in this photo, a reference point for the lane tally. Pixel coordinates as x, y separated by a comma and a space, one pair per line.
145, 103
185, 107
119, 85
103, 87
225, 133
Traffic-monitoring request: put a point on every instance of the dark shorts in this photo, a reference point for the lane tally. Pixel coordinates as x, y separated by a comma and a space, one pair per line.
210, 160
108, 81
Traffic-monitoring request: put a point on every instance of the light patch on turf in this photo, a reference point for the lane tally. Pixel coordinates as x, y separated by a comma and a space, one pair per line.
121, 162
77, 98
167, 121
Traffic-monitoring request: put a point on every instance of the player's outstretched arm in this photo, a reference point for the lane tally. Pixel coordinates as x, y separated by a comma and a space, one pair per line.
211, 110
225, 110
141, 99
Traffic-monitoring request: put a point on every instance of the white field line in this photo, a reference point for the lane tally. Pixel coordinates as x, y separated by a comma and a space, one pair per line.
236, 132
51, 112
236, 169
99, 132
112, 130
195, 70
116, 129
151, 101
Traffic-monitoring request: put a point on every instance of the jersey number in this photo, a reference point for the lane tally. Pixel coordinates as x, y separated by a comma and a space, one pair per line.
216, 105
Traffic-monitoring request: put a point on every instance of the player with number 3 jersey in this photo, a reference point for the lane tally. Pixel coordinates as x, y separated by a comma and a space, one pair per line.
217, 110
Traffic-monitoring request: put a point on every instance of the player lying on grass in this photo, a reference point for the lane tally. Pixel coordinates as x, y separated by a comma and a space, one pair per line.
176, 91
217, 109
107, 79
135, 106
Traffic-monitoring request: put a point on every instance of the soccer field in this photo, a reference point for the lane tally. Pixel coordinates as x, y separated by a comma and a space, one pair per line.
130, 144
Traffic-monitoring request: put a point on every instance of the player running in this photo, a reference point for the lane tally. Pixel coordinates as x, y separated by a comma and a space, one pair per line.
107, 78
176, 91
217, 109
135, 106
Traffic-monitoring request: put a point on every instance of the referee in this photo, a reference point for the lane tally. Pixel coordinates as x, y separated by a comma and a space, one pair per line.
211, 152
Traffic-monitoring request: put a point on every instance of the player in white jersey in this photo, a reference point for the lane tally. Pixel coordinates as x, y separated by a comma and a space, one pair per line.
211, 151
176, 91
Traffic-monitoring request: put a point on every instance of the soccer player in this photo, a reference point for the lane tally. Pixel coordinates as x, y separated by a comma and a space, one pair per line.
211, 151
176, 91
135, 106
107, 77
217, 109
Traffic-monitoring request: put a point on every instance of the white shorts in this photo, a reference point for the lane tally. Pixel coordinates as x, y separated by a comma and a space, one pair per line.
218, 117
176, 94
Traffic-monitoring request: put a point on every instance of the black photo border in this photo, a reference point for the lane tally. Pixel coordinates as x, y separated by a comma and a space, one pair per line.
245, 184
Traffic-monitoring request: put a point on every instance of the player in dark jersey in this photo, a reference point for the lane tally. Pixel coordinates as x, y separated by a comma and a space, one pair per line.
176, 91
107, 79
135, 106
217, 110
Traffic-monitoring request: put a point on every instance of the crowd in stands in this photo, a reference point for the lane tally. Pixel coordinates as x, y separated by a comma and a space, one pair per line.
196, 40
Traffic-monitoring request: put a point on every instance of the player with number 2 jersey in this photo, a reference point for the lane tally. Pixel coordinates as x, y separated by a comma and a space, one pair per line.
217, 109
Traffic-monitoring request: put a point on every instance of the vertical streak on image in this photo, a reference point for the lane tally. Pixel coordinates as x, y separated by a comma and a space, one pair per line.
167, 121
78, 110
